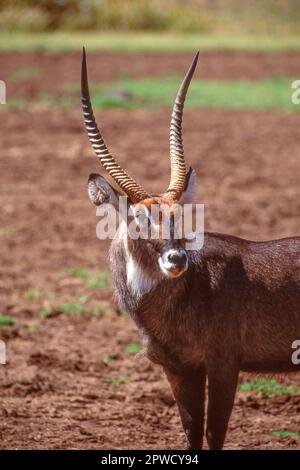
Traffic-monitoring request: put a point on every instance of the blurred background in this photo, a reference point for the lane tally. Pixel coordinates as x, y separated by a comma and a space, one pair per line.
74, 378
199, 16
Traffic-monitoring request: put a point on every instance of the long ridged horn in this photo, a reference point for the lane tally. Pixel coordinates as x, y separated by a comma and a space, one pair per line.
133, 190
178, 169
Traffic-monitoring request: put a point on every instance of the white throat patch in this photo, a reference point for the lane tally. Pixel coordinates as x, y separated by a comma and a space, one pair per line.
138, 281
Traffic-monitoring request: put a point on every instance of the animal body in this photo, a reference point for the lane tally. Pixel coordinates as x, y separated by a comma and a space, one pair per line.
206, 314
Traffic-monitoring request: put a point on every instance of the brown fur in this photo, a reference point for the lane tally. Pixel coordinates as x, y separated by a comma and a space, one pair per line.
236, 307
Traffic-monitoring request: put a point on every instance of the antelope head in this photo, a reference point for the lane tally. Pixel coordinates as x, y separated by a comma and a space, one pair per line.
169, 252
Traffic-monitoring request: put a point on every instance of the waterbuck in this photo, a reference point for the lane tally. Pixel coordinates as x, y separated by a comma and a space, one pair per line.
232, 305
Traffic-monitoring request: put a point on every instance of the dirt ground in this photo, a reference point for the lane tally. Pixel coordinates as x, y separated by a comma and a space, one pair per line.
58, 390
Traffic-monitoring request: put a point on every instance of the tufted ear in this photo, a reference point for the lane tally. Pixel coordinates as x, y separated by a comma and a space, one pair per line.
189, 194
101, 192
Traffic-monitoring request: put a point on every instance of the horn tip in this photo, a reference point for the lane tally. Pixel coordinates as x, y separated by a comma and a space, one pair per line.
83, 54
195, 60
84, 77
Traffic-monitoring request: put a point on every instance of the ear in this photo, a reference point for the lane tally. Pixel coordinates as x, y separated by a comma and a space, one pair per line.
189, 194
101, 192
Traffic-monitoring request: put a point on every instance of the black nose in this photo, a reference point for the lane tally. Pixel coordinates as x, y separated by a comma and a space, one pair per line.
179, 258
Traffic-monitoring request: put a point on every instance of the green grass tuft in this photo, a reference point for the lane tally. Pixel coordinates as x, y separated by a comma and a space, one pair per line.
6, 320
72, 308
101, 281
134, 348
78, 272
284, 434
98, 283
94, 281
121, 381
269, 387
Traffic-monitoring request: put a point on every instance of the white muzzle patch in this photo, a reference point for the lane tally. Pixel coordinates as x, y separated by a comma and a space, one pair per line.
173, 263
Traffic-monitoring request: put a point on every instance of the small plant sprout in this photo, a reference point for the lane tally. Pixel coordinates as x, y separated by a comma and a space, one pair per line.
286, 434
121, 381
268, 387
6, 320
134, 348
